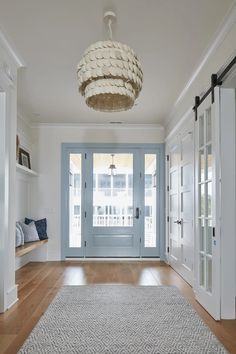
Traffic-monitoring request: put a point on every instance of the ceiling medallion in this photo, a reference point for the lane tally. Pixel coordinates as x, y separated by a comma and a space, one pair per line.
109, 74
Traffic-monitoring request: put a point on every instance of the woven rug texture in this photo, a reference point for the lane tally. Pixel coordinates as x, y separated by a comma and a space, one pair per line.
120, 319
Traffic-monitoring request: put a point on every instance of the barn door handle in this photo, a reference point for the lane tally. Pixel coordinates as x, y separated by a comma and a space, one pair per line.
137, 213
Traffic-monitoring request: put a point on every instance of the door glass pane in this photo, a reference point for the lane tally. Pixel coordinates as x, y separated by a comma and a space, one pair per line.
202, 235
202, 270
209, 198
209, 162
75, 201
209, 275
112, 190
202, 200
209, 237
150, 200
202, 166
208, 124
201, 131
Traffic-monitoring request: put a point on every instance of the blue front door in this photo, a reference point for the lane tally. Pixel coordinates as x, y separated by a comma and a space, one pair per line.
112, 224
110, 202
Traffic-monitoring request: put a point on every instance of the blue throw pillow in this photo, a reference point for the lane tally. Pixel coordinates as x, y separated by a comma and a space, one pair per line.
41, 226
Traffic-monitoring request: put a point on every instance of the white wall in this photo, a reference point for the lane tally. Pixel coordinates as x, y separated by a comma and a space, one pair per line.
23, 181
222, 48
26, 137
8, 89
25, 185
46, 200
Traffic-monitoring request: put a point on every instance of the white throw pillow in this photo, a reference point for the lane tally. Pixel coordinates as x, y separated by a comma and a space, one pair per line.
18, 237
20, 233
30, 232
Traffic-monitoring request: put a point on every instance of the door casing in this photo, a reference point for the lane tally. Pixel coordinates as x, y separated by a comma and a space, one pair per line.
68, 148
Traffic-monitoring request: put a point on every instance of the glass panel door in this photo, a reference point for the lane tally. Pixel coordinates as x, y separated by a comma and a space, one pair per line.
75, 201
114, 213
150, 199
72, 204
205, 200
150, 189
207, 242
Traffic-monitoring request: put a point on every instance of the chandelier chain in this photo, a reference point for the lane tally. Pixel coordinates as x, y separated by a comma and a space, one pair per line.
110, 34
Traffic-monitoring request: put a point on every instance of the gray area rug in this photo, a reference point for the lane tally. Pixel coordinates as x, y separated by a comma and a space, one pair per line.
120, 319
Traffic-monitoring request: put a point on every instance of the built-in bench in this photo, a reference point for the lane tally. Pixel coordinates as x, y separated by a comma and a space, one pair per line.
28, 247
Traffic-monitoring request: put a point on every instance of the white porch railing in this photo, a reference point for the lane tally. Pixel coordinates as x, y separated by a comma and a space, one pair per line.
112, 221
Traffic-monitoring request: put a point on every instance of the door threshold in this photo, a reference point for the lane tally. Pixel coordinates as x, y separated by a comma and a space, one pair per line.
113, 259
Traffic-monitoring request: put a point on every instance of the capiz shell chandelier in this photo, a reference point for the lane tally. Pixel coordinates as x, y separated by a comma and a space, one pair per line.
109, 74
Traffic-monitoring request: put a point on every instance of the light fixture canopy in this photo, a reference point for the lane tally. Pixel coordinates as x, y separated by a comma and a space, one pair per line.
112, 168
109, 74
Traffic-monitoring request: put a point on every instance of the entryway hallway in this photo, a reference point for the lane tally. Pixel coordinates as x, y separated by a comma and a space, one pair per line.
40, 282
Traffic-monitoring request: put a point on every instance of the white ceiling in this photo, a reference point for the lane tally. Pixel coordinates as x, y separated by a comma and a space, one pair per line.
169, 37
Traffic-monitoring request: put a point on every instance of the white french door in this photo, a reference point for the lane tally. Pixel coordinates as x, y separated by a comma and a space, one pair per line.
180, 202
174, 222
207, 286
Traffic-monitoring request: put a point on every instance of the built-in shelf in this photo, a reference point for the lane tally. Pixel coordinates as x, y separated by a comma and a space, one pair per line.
28, 247
25, 170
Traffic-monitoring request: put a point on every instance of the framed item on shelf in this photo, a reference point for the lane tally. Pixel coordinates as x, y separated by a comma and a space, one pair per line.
24, 158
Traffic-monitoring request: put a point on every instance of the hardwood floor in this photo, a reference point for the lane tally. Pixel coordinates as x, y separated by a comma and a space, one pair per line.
39, 283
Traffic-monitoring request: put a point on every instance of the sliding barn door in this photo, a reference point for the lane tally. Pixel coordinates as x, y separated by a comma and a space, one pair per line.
207, 254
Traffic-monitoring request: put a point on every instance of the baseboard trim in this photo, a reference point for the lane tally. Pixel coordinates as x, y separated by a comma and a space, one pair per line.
21, 261
12, 296
99, 259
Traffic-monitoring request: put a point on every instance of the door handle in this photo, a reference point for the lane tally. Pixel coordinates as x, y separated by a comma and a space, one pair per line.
179, 222
137, 213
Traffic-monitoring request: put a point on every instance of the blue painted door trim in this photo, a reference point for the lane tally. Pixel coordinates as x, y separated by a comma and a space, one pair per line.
68, 148
67, 251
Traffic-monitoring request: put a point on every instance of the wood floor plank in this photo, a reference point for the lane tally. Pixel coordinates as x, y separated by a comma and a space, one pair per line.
40, 282
5, 341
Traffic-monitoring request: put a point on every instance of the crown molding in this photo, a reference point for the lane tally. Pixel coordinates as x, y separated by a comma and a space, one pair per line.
11, 51
100, 126
24, 119
219, 37
186, 116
